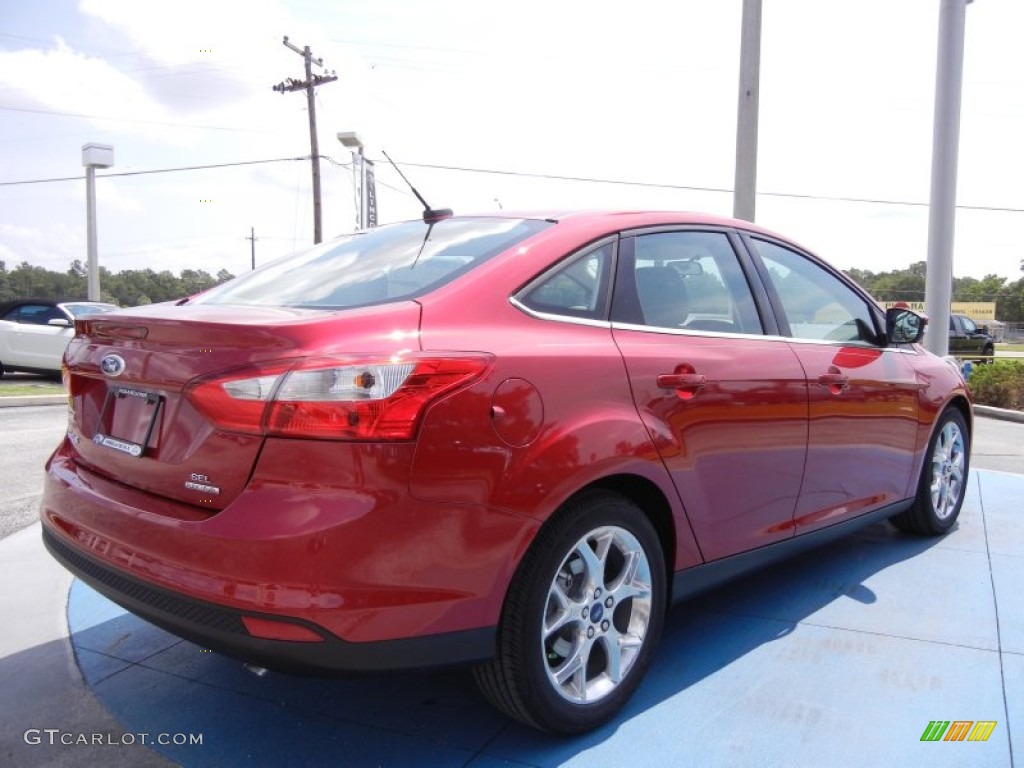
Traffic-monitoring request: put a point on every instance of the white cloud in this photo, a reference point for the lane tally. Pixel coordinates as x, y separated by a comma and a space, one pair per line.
62, 79
591, 89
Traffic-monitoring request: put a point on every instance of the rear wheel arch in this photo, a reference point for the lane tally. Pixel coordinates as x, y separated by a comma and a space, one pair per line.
639, 490
651, 500
572, 681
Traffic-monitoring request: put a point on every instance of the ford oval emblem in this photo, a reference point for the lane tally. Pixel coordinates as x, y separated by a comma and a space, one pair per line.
112, 365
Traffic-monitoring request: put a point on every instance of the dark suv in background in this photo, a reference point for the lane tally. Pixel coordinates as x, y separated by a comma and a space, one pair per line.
967, 339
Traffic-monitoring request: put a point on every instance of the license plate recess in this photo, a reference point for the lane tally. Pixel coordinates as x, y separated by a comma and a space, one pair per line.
128, 420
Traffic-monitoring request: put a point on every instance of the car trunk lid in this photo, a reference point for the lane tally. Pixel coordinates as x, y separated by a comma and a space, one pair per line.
130, 373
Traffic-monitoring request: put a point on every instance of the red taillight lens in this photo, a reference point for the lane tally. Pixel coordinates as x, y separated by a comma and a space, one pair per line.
238, 400
334, 399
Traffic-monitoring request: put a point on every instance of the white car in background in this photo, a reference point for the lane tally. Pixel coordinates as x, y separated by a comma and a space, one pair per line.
34, 333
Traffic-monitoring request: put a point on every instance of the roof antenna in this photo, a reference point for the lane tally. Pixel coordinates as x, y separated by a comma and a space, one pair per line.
429, 214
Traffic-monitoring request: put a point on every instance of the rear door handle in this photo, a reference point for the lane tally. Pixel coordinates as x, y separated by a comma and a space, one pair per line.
682, 380
686, 385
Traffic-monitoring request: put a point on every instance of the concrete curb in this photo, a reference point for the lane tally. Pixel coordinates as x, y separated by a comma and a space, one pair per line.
17, 400
999, 413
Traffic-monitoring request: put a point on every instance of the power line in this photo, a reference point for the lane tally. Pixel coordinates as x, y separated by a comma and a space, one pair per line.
137, 52
525, 174
164, 170
721, 190
134, 120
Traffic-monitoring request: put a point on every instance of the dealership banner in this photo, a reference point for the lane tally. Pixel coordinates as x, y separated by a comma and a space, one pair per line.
979, 311
371, 196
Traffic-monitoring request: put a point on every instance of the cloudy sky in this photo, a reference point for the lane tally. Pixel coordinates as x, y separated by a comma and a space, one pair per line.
638, 98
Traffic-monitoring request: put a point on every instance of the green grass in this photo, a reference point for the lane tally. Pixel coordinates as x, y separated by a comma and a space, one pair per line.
1000, 384
1009, 347
35, 388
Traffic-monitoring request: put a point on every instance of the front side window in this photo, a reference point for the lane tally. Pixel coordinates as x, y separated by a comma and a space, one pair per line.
687, 281
817, 303
390, 263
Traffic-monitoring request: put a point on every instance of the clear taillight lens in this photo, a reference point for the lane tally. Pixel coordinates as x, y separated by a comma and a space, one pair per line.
334, 399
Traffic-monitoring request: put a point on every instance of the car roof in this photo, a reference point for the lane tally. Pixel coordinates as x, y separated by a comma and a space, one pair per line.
627, 218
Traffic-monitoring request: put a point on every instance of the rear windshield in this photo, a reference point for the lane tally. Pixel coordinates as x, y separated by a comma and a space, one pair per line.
390, 263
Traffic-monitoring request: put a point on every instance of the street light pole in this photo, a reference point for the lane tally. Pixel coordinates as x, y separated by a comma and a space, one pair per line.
93, 156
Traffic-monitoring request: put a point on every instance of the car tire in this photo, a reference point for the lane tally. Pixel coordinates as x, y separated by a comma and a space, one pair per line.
989, 354
582, 617
943, 482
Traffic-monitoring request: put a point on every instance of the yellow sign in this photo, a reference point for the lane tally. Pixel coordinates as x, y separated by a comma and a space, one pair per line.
979, 311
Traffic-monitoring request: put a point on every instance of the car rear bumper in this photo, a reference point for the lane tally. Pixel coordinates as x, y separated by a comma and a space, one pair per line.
295, 575
222, 629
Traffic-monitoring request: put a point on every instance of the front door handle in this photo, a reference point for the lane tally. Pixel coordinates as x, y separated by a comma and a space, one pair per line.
836, 382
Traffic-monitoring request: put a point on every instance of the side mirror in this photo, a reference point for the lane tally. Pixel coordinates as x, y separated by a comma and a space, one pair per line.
59, 321
983, 329
904, 326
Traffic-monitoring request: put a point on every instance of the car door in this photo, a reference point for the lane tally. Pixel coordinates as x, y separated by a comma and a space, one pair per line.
863, 394
974, 339
35, 343
725, 405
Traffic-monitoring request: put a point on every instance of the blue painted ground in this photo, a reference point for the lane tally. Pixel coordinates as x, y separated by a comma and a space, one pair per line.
840, 657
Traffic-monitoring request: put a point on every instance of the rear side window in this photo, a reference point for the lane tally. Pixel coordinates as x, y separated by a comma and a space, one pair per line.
577, 288
391, 263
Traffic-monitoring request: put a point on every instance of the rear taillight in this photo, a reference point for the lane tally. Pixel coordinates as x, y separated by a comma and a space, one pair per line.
333, 399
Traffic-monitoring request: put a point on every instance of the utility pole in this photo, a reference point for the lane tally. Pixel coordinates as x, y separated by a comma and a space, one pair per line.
252, 242
745, 188
311, 82
949, 74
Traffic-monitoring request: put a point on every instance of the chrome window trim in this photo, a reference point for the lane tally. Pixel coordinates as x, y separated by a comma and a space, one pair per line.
693, 332
835, 343
762, 336
557, 318
563, 263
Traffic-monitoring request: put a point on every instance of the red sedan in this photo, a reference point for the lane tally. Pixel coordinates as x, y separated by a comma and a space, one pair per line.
505, 440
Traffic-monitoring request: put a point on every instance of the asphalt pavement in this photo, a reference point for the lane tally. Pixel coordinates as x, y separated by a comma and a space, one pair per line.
844, 656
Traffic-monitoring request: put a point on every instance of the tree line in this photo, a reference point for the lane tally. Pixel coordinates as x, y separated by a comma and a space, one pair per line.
908, 285
127, 288
132, 287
